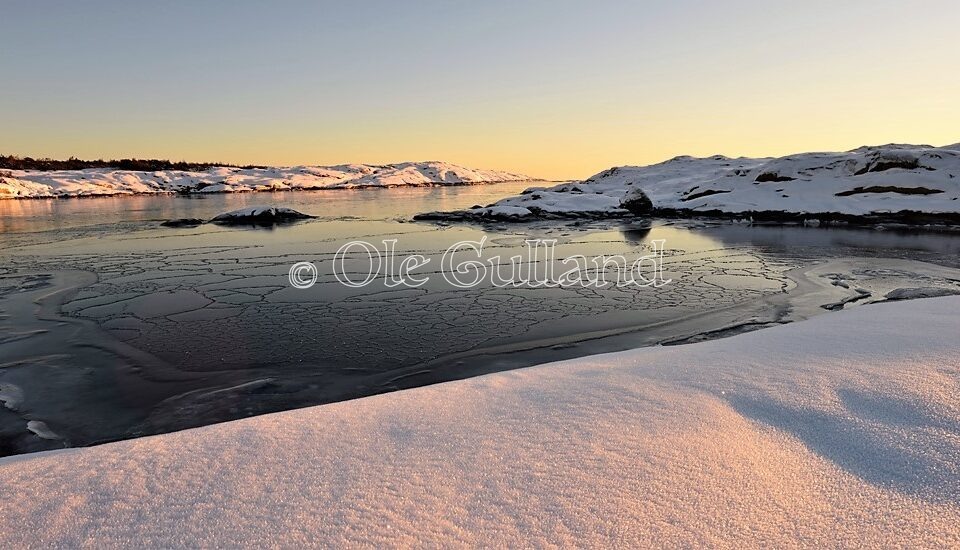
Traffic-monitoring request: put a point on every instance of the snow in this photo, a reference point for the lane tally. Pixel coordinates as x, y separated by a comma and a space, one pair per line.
11, 396
843, 430
41, 430
880, 179
104, 181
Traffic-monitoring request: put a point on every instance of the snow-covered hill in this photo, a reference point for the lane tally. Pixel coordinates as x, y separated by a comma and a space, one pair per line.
839, 431
106, 181
866, 181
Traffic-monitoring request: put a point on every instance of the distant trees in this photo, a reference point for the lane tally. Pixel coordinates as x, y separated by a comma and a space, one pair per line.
13, 162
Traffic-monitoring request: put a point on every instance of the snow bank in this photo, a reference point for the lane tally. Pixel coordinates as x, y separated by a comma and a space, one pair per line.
840, 430
105, 181
865, 181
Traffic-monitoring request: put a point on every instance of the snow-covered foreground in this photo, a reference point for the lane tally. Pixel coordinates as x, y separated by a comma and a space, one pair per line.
105, 181
866, 181
844, 429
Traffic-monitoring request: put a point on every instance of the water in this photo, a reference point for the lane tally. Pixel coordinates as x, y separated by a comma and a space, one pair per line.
143, 329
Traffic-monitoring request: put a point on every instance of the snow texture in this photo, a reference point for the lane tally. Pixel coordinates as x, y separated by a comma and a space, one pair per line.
840, 430
105, 181
867, 180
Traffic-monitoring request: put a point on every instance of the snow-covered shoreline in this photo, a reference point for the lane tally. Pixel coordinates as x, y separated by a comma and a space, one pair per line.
22, 184
907, 183
839, 430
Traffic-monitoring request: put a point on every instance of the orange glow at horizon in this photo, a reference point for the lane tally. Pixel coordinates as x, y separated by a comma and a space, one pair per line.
554, 94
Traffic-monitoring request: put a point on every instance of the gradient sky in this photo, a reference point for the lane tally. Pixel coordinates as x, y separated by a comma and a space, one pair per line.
555, 89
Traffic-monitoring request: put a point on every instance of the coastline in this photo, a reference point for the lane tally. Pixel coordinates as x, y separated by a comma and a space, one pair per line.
904, 219
23, 183
258, 191
792, 433
480, 275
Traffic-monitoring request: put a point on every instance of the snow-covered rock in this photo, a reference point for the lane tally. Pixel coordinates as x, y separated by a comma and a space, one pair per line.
838, 431
869, 181
105, 181
922, 292
260, 215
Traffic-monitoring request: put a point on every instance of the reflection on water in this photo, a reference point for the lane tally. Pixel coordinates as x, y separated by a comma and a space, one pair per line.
222, 334
941, 247
59, 214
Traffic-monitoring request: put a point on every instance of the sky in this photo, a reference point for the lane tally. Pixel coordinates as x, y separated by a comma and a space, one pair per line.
555, 89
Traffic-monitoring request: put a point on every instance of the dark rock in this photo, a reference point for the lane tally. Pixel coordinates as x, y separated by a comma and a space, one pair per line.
183, 222
883, 164
706, 193
260, 215
637, 203
914, 293
888, 189
772, 176
906, 220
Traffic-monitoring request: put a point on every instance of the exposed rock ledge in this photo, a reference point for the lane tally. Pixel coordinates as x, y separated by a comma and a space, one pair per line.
251, 215
914, 185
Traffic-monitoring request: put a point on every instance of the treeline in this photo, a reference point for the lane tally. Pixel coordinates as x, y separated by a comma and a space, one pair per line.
12, 162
